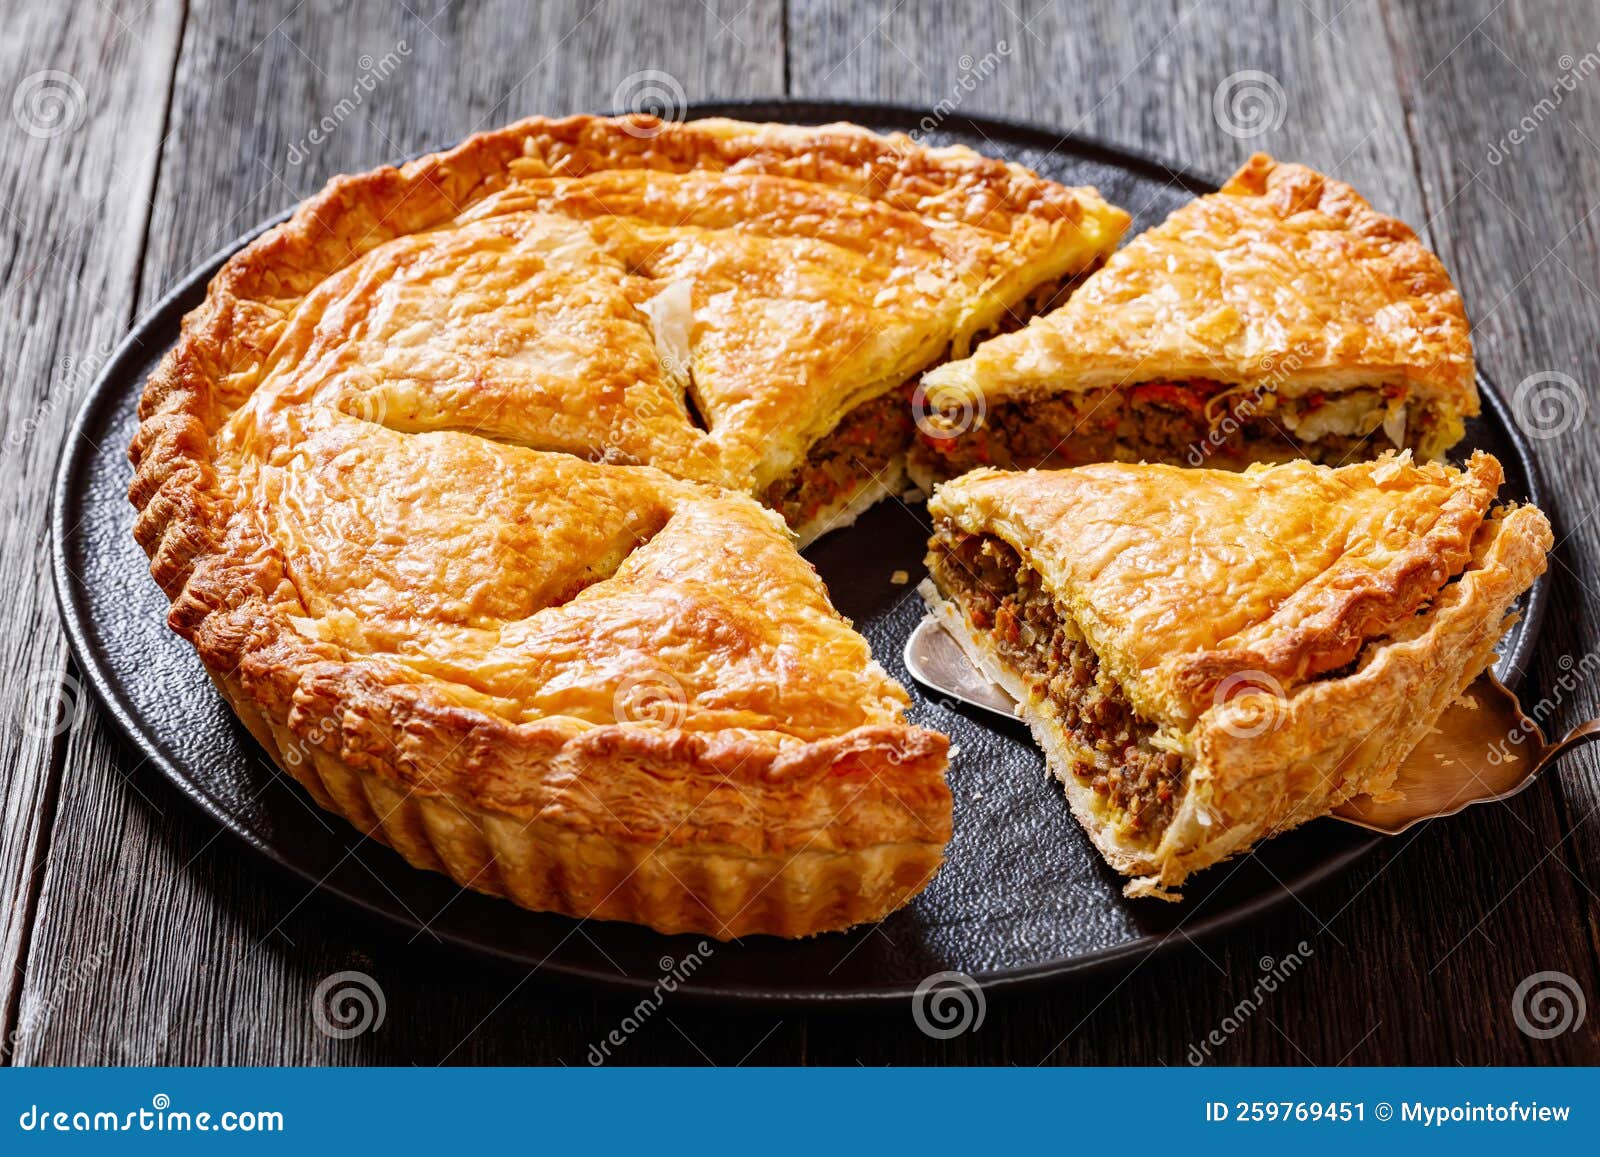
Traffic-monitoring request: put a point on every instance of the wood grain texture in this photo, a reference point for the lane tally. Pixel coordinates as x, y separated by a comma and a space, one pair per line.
85, 100
210, 956
1147, 75
1513, 189
158, 940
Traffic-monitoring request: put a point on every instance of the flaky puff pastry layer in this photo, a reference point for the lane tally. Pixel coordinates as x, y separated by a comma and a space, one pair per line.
594, 690
1292, 631
708, 297
1285, 280
593, 687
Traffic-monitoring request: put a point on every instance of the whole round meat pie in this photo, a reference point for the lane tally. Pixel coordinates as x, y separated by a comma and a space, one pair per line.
453, 482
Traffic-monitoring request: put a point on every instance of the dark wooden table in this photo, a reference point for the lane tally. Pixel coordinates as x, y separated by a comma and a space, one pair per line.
143, 134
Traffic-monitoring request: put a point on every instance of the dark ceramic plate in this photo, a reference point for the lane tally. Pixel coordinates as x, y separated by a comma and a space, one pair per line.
1022, 898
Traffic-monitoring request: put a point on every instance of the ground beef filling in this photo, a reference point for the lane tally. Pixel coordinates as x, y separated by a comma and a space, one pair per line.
873, 434
1001, 595
854, 452
1188, 423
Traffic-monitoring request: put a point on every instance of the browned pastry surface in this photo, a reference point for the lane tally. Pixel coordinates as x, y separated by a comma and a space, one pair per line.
1285, 290
397, 478
1289, 632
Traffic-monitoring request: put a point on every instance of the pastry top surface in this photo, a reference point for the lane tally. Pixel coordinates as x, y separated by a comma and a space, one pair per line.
541, 636
707, 297
1284, 277
1182, 579
536, 586
362, 473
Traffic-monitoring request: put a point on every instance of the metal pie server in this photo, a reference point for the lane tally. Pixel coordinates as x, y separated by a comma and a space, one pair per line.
1484, 747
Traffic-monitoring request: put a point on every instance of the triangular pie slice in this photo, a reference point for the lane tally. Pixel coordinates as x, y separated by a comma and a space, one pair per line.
1209, 657
733, 303
593, 690
1280, 317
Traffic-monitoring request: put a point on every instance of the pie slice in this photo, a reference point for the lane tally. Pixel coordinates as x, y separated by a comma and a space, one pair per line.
1209, 658
733, 303
1280, 317
593, 690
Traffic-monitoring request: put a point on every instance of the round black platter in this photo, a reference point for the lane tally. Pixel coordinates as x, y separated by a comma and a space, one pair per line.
1022, 898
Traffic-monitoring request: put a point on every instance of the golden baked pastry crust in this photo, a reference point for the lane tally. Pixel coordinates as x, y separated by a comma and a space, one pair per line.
1285, 279
1291, 631
556, 681
529, 284
360, 479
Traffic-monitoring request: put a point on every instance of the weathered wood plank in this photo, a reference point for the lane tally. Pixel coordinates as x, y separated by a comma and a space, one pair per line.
1511, 186
84, 95
196, 952
211, 957
1320, 82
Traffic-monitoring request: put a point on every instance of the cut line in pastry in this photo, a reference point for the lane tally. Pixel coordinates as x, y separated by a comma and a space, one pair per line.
728, 302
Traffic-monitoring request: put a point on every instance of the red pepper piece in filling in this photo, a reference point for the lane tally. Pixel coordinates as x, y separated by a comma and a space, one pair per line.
1005, 623
1180, 397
